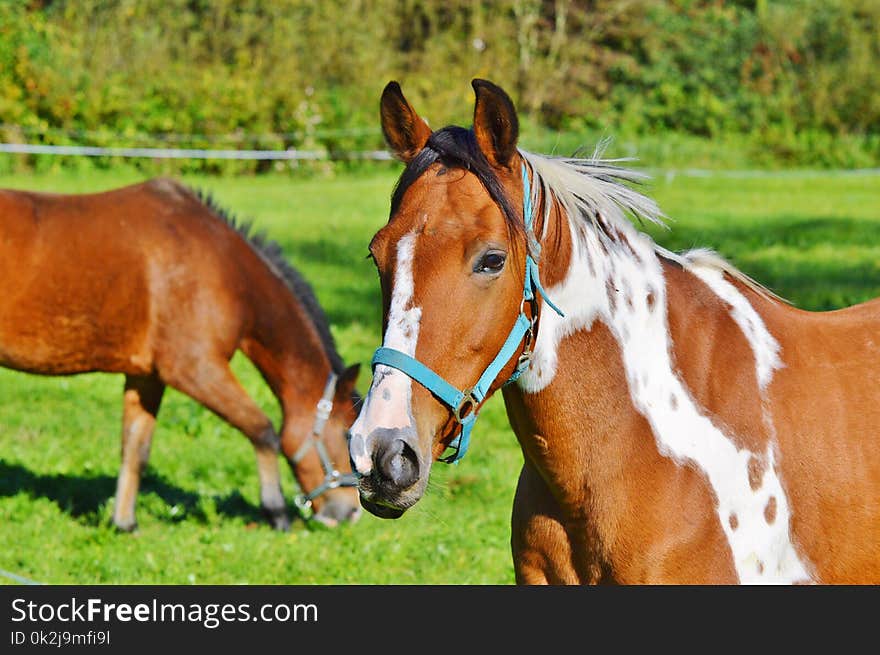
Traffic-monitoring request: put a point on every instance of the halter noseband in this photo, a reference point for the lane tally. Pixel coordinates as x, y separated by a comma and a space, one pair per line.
464, 403
332, 477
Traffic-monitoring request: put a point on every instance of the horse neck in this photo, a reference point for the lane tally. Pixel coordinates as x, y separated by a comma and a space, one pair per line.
607, 279
285, 345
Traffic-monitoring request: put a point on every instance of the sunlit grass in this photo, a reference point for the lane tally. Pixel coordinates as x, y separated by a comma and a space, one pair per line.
813, 238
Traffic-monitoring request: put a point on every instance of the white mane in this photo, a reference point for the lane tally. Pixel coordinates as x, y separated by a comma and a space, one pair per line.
598, 190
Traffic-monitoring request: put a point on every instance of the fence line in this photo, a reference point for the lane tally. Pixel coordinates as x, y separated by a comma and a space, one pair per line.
373, 155
173, 137
191, 153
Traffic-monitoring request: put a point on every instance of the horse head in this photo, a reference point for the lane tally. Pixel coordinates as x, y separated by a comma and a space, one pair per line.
458, 301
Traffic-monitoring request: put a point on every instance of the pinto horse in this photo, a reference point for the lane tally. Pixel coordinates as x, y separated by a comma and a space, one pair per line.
679, 423
158, 283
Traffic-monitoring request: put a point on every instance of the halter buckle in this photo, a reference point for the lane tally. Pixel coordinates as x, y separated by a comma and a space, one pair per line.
528, 340
333, 479
468, 402
324, 408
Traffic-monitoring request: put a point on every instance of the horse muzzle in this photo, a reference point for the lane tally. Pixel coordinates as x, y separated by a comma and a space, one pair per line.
382, 511
390, 471
336, 511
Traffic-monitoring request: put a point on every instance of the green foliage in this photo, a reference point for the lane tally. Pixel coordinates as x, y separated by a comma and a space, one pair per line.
795, 80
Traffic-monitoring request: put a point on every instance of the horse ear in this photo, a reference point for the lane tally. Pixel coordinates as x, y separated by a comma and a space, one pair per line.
495, 123
405, 131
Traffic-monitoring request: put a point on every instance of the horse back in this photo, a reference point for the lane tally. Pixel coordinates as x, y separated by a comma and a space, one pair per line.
99, 282
826, 412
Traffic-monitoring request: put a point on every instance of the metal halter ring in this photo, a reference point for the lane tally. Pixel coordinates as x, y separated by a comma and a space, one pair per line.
324, 408
304, 506
468, 402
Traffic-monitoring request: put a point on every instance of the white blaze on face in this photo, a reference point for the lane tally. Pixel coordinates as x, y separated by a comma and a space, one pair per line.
626, 290
388, 403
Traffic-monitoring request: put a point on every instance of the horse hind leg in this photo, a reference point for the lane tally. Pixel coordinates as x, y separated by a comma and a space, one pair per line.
143, 395
212, 383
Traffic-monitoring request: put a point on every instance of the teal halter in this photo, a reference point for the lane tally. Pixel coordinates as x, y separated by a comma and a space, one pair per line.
464, 403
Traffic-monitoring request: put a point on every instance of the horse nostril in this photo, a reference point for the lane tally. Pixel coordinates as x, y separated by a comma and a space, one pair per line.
399, 464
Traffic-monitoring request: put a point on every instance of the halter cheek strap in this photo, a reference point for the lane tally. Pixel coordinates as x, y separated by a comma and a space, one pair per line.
533, 279
464, 403
332, 477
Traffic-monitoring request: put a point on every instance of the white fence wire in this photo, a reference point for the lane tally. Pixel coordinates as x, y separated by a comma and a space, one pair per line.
295, 154
191, 153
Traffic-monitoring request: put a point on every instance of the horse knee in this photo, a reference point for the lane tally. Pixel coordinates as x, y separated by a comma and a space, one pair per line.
267, 439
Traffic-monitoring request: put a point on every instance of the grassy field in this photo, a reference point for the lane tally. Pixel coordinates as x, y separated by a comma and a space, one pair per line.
813, 238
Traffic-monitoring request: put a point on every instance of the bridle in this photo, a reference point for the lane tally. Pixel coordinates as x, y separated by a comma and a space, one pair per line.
465, 403
332, 477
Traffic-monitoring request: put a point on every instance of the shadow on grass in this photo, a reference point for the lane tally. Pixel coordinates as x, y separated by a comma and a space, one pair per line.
788, 230
345, 303
819, 287
83, 497
816, 285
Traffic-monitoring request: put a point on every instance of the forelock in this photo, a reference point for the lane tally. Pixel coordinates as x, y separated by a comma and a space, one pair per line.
456, 147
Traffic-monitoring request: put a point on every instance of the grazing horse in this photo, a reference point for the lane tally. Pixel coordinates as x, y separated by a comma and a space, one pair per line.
679, 423
156, 282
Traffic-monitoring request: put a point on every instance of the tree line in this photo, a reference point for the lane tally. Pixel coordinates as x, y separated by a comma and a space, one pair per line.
798, 77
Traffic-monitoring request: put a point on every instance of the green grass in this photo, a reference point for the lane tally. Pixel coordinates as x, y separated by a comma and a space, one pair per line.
814, 238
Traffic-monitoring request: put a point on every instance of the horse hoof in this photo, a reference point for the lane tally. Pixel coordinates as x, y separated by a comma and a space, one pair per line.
282, 524
125, 526
277, 519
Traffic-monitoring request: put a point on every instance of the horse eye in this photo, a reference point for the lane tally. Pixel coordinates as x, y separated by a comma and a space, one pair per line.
491, 262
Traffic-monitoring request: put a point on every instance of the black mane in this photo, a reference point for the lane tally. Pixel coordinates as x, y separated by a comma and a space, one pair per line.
272, 254
456, 147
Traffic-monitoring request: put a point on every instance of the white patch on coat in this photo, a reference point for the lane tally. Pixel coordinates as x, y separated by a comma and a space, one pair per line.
388, 402
610, 281
764, 346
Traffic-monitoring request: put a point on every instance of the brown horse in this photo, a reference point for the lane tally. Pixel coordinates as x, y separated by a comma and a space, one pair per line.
679, 423
156, 282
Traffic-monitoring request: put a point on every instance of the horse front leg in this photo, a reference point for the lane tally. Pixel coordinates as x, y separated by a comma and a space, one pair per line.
210, 381
542, 549
143, 395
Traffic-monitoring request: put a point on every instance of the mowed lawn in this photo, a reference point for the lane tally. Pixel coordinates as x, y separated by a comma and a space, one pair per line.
812, 237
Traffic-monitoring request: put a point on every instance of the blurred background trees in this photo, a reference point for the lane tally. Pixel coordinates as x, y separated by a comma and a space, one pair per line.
796, 81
